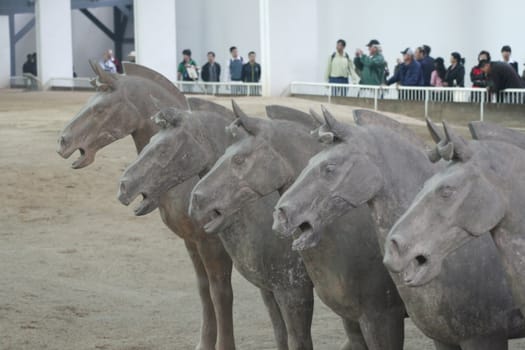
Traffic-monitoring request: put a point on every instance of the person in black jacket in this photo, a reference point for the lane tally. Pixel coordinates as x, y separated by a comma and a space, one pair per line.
501, 76
506, 51
456, 71
211, 71
251, 73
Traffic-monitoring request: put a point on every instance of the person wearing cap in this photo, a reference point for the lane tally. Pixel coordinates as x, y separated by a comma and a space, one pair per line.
372, 66
506, 51
340, 69
426, 62
410, 73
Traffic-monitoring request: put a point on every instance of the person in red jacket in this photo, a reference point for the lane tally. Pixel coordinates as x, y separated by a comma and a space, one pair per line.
477, 76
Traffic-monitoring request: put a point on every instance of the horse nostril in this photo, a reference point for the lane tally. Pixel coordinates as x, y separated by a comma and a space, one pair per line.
197, 199
62, 141
281, 215
122, 187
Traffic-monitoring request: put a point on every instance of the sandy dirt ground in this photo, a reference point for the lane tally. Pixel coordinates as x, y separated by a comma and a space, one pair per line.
79, 271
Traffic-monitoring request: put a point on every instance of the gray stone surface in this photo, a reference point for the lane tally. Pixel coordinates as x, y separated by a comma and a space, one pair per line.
187, 146
123, 107
469, 304
351, 279
480, 191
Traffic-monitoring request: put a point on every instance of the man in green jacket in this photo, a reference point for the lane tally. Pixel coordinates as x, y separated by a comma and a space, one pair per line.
372, 67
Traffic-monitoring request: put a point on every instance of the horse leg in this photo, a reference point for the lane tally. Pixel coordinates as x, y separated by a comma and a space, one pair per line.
297, 306
491, 342
384, 330
208, 333
441, 346
355, 341
218, 265
279, 327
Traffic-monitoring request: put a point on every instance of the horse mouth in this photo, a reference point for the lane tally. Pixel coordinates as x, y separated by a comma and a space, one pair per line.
216, 220
146, 205
83, 160
415, 274
307, 237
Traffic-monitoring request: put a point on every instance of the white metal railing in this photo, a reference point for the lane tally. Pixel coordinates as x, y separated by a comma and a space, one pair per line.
230, 88
69, 83
26, 81
409, 93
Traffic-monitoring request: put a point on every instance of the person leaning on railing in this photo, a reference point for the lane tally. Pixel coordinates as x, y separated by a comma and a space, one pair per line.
501, 76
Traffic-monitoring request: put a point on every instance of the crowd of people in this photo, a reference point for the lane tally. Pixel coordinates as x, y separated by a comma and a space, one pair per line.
239, 69
418, 68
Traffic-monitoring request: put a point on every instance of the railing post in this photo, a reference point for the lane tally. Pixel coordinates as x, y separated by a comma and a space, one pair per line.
427, 92
482, 106
376, 96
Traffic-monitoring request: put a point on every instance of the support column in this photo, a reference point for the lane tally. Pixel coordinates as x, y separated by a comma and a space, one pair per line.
288, 51
54, 39
5, 52
155, 36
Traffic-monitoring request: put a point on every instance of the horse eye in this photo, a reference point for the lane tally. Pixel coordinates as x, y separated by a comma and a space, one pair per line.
238, 159
447, 191
329, 168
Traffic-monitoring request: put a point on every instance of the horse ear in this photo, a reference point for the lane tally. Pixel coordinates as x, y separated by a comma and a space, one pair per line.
461, 148
317, 117
434, 131
252, 125
338, 129
94, 66
237, 110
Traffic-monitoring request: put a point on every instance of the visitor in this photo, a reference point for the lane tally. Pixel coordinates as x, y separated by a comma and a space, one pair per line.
501, 76
235, 70
251, 73
115, 61
409, 72
477, 76
426, 62
27, 66
211, 72
187, 70
506, 52
455, 76
371, 66
341, 69
107, 64
438, 74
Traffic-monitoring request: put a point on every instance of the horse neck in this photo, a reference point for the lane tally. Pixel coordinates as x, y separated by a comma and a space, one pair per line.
405, 168
208, 129
296, 146
143, 134
142, 104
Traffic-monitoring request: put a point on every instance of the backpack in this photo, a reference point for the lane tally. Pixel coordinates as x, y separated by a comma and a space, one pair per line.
346, 56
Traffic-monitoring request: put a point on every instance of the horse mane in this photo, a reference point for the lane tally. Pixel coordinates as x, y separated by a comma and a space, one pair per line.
364, 117
278, 112
137, 70
199, 104
484, 131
